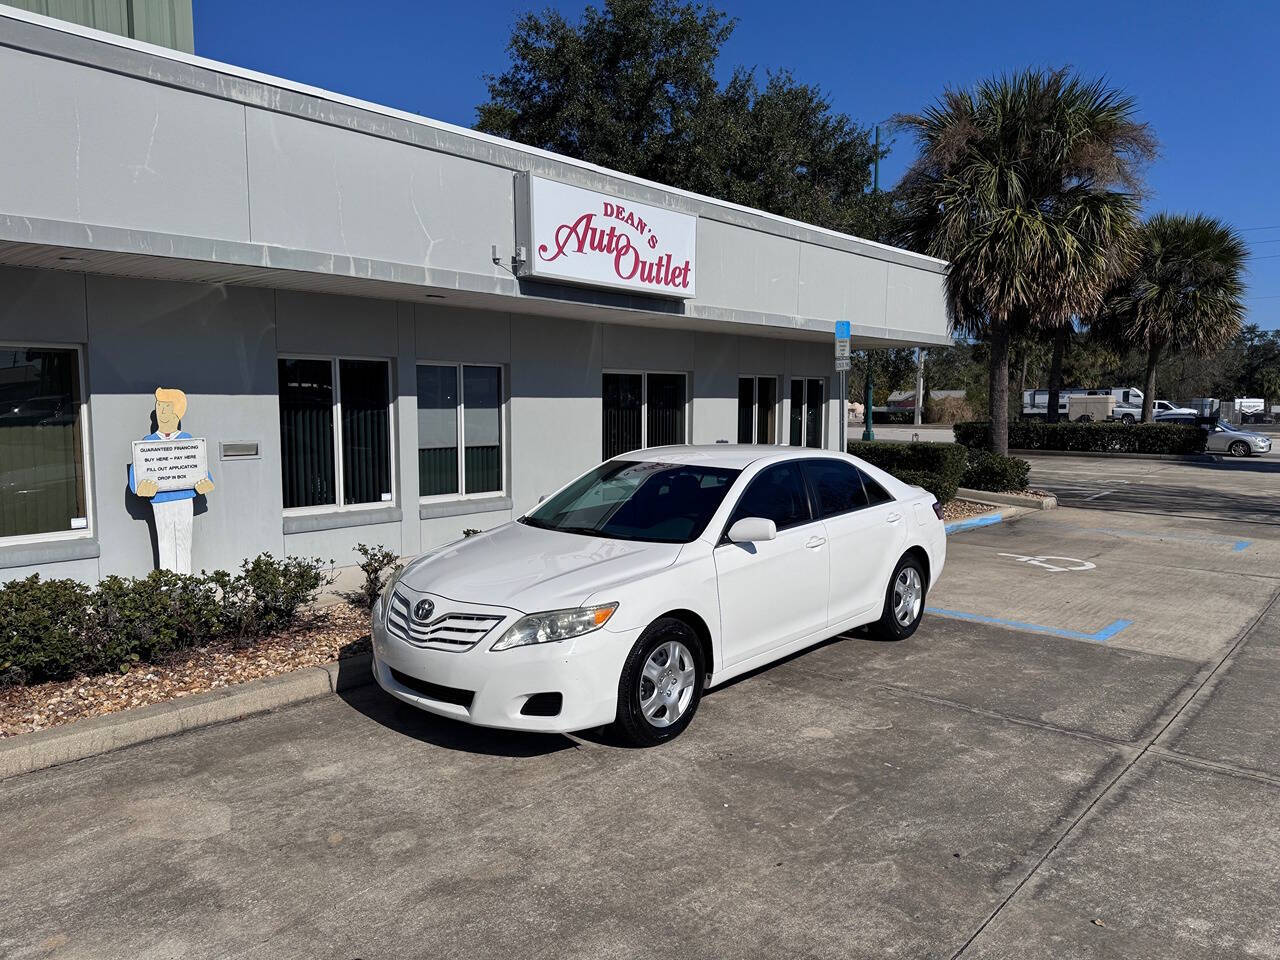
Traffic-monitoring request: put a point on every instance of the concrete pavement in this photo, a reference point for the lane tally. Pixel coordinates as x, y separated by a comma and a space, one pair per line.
1011, 782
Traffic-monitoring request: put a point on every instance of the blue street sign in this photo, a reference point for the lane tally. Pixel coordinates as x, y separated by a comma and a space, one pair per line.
842, 329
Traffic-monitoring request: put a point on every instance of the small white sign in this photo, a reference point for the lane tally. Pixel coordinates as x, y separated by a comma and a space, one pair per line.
573, 235
172, 464
842, 363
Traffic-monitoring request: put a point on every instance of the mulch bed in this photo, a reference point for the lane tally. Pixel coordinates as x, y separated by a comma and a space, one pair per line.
964, 509
328, 634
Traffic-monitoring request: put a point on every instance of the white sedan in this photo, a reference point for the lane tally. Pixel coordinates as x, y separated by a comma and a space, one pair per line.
651, 578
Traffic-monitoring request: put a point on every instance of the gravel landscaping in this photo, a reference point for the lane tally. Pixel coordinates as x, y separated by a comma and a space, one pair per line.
964, 509
328, 634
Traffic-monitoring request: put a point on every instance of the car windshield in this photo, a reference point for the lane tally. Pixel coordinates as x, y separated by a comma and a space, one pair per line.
637, 500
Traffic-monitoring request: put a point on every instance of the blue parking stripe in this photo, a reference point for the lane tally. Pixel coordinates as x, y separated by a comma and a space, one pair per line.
1098, 636
1241, 545
959, 525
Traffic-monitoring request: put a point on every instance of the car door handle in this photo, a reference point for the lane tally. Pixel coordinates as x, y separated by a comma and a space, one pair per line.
894, 518
813, 543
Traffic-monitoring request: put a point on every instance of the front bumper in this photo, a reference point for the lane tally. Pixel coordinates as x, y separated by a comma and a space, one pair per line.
584, 671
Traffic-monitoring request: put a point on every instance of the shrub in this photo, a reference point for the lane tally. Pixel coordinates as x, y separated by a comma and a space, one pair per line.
935, 466
378, 564
42, 629
54, 629
995, 473
1097, 437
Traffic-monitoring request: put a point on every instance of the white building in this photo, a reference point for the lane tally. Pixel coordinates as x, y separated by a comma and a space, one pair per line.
366, 311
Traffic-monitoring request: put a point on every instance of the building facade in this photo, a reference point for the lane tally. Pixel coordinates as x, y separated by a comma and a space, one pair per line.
388, 329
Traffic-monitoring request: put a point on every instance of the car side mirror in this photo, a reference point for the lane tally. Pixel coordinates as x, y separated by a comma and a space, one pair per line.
753, 530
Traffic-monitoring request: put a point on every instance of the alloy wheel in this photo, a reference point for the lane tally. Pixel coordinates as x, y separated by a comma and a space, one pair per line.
908, 596
667, 683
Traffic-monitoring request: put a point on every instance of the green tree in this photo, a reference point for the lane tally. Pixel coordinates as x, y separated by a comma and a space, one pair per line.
631, 85
1027, 185
1183, 293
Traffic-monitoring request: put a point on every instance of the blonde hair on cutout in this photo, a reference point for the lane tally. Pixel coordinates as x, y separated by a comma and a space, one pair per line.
176, 397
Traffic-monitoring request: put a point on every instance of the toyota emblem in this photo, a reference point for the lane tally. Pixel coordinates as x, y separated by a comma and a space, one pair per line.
422, 610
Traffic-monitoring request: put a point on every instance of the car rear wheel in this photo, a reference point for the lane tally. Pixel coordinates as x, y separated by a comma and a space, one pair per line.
661, 683
903, 602
1238, 448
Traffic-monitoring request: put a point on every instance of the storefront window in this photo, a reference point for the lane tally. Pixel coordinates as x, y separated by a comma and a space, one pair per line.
757, 409
335, 411
643, 410
42, 475
805, 421
449, 422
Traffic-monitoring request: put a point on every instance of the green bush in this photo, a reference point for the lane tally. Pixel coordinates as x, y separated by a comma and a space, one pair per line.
1097, 437
378, 564
42, 629
937, 467
55, 629
994, 473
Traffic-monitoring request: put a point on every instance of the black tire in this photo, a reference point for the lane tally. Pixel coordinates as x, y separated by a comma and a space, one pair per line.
1128, 418
632, 724
1238, 448
890, 625
1084, 418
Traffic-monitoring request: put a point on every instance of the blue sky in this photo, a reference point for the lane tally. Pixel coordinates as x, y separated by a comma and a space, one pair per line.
1206, 76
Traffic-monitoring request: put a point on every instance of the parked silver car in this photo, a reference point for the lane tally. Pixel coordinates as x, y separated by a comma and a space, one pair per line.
1224, 437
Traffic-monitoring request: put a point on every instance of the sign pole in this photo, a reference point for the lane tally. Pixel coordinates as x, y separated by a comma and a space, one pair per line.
867, 432
842, 365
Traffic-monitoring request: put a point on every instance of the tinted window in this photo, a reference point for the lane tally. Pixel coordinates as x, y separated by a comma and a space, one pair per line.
836, 486
777, 493
630, 500
875, 493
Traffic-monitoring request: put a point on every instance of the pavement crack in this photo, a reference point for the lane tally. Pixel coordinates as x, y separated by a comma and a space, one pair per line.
1147, 747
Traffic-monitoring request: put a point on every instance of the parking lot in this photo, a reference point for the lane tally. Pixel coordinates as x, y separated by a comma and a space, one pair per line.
1078, 755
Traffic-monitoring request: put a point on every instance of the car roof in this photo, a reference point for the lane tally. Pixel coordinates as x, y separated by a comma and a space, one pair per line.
729, 455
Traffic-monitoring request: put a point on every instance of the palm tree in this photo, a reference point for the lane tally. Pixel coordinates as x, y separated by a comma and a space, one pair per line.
1183, 293
1028, 186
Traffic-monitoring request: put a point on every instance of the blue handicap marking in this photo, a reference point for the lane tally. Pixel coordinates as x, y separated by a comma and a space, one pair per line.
959, 525
1098, 636
842, 329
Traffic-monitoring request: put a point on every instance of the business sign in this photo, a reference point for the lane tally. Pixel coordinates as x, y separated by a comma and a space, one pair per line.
172, 464
572, 235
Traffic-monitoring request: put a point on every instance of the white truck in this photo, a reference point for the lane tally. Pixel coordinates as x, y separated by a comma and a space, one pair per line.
1128, 408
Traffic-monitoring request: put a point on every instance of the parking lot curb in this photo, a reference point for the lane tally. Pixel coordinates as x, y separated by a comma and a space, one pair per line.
1100, 455
29, 752
1008, 499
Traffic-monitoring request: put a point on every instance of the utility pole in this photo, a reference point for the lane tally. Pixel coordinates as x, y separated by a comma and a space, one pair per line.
867, 432
919, 383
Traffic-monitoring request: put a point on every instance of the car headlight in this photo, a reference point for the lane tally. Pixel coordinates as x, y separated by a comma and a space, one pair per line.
388, 588
554, 625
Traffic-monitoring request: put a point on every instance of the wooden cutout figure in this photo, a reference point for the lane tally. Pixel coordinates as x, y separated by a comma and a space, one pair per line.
172, 509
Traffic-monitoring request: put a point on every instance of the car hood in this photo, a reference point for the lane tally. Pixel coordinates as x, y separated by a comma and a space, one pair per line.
530, 569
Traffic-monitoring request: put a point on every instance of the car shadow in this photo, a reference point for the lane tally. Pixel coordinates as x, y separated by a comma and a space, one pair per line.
357, 691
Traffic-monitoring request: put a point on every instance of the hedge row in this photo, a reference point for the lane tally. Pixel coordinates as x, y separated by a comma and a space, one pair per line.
937, 467
1098, 437
941, 468
56, 629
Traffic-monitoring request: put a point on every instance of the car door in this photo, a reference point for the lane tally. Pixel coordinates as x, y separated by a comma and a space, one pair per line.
774, 591
866, 530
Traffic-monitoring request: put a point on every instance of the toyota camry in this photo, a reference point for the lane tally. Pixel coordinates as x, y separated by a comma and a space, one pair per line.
651, 578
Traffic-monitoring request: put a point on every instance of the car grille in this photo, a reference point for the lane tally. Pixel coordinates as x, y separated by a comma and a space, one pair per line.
449, 631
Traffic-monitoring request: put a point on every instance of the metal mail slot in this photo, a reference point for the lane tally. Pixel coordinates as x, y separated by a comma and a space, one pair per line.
237, 449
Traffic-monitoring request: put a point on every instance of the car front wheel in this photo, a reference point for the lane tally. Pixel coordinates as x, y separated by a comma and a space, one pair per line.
661, 683
903, 602
1238, 448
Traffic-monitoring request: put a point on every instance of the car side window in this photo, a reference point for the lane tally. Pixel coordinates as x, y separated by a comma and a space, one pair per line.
836, 486
876, 494
776, 493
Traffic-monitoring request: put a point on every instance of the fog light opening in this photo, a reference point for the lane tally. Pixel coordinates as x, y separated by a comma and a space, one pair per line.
543, 705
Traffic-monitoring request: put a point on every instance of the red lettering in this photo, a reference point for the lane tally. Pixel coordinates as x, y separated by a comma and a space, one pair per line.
583, 235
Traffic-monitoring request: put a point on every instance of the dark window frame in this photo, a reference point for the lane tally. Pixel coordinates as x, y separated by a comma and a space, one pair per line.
461, 435
804, 486
644, 405
85, 448
339, 484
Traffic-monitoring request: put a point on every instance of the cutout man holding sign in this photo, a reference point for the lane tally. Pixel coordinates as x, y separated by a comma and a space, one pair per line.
170, 467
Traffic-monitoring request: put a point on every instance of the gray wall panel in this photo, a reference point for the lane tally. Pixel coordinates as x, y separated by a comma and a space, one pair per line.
43, 306
746, 269
462, 336
94, 147
316, 323
715, 388
218, 345
644, 348
837, 286
322, 188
